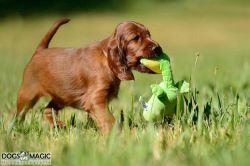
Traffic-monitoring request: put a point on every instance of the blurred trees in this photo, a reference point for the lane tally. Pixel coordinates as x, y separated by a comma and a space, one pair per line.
43, 7
27, 7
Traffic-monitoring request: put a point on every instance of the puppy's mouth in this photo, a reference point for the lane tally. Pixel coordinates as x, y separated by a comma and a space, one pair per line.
153, 53
141, 68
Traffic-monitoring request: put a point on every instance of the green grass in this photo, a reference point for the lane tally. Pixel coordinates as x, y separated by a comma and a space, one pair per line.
214, 127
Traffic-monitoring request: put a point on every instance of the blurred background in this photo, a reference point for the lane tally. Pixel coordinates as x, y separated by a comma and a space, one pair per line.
217, 30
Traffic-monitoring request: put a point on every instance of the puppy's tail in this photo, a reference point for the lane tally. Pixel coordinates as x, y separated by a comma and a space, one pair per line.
47, 38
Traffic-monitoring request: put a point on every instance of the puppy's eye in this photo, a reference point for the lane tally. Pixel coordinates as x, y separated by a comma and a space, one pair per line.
136, 38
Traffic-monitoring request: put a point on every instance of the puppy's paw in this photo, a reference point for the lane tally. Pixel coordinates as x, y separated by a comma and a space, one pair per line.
59, 124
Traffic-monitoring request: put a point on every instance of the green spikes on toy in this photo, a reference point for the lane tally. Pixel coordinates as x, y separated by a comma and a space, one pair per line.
163, 101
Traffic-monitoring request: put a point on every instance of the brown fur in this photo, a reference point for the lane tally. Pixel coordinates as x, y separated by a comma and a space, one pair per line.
86, 78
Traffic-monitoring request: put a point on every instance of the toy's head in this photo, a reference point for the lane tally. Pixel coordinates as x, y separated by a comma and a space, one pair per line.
154, 62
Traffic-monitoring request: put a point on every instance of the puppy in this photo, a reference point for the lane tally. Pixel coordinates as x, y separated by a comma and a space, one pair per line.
86, 78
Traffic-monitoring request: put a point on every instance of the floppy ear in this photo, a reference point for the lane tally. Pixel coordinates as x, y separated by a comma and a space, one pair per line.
117, 60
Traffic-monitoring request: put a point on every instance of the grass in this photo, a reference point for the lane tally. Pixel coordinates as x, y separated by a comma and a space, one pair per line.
213, 128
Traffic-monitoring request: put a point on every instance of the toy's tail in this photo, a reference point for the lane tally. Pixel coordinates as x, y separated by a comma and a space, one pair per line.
47, 38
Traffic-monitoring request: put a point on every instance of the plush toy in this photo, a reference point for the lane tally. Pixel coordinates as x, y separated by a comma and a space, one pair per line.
163, 101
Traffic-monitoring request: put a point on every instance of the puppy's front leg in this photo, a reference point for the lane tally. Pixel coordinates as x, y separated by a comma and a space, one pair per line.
103, 117
100, 113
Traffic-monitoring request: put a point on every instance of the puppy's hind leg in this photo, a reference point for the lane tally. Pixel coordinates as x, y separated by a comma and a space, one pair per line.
26, 99
48, 114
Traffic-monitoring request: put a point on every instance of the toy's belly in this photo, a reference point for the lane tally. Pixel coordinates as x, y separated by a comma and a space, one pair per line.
158, 107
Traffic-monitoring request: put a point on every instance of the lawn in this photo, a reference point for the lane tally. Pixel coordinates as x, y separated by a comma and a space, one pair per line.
214, 126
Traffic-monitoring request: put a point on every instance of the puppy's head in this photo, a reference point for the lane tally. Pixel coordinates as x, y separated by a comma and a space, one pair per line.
129, 43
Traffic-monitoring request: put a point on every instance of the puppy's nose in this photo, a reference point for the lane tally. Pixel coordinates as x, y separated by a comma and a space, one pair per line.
157, 49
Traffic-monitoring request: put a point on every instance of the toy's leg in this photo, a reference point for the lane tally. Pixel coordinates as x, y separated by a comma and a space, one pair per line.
157, 90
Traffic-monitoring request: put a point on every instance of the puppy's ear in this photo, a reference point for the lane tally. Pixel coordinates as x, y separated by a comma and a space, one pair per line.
117, 59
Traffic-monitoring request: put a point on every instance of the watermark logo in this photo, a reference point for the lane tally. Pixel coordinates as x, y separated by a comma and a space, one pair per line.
25, 158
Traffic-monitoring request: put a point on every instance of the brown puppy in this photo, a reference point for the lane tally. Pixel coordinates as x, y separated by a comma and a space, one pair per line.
86, 78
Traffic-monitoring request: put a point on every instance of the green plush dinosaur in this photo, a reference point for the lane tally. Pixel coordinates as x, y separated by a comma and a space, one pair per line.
163, 101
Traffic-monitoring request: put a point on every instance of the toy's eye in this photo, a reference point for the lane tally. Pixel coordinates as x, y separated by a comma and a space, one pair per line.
136, 38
